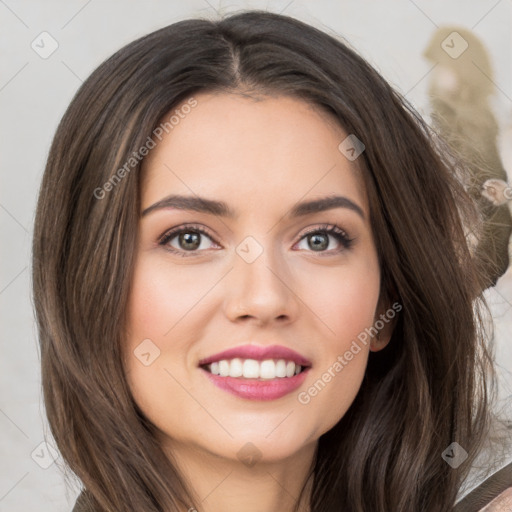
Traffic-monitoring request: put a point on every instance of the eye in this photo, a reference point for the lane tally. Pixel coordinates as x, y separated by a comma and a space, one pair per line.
185, 239
190, 239
318, 239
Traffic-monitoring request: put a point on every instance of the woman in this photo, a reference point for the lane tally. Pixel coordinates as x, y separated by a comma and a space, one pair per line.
252, 282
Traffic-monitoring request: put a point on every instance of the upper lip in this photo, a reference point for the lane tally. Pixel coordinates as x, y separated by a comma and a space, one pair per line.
259, 353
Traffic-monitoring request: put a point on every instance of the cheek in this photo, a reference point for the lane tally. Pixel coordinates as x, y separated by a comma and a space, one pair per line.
345, 301
160, 300
157, 302
330, 390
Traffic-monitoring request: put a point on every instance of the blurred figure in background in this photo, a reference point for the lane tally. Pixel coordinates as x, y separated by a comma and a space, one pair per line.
460, 87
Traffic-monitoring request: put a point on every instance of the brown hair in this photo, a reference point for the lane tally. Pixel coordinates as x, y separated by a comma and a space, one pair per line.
421, 393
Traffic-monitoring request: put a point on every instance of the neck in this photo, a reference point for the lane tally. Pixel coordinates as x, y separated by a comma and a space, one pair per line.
221, 484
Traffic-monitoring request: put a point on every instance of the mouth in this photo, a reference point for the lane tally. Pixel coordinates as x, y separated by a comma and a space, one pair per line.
253, 369
256, 373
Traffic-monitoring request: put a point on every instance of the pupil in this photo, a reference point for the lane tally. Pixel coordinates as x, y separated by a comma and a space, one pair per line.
190, 240
316, 241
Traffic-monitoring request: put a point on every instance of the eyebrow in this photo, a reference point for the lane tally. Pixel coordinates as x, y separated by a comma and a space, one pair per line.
221, 209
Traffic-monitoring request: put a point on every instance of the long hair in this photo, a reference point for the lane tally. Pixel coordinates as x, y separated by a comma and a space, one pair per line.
424, 391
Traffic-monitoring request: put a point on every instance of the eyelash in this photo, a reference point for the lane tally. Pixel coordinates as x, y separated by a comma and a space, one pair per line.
329, 229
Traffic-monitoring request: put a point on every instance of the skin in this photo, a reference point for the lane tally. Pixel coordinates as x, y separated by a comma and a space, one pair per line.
260, 157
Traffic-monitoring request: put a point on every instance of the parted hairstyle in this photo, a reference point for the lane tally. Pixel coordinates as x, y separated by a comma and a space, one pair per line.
429, 387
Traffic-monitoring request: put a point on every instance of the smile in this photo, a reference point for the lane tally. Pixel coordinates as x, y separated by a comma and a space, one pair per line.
252, 369
265, 373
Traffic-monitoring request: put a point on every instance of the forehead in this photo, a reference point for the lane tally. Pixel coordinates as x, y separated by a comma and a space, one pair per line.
271, 151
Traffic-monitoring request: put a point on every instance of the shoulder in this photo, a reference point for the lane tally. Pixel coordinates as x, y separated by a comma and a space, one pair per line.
492, 495
502, 503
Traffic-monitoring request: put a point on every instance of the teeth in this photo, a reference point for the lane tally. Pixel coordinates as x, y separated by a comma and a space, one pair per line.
268, 369
281, 368
252, 369
223, 368
236, 368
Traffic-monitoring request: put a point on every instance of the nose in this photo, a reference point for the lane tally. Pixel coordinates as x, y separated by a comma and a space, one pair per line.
261, 291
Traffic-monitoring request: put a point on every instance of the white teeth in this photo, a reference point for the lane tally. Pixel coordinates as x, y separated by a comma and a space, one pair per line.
281, 368
268, 369
252, 369
223, 368
236, 368
214, 368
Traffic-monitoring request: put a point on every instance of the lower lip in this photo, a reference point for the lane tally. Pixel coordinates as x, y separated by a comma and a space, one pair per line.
254, 389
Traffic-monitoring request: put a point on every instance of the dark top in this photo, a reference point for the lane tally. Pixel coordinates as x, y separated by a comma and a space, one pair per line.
496, 489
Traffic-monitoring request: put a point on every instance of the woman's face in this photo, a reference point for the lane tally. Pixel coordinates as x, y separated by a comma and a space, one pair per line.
254, 272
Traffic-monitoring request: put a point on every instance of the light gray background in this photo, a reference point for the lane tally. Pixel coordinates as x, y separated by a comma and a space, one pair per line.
34, 93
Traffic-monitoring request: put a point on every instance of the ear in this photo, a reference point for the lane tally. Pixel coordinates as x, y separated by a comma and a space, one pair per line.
384, 323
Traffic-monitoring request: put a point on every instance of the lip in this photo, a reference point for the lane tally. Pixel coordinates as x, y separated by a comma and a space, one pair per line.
254, 389
259, 353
